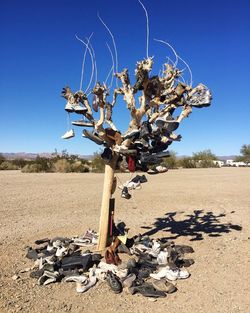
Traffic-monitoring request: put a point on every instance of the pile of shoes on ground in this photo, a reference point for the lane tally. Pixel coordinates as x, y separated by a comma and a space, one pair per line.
151, 269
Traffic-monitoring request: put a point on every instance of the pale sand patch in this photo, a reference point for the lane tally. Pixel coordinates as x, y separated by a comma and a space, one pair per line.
204, 208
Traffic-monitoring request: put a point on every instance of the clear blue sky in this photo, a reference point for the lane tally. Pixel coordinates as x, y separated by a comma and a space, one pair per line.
39, 55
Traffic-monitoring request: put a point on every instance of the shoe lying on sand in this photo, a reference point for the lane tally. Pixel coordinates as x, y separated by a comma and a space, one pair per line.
114, 282
107, 267
147, 290
125, 194
48, 277
83, 287
185, 262
164, 285
170, 274
77, 261
182, 249
75, 278
162, 258
129, 280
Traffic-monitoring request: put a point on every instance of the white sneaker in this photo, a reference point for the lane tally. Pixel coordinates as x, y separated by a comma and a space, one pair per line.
132, 185
162, 258
161, 274
183, 274
76, 278
69, 107
107, 267
155, 250
83, 287
69, 134
177, 274
99, 273
121, 273
62, 251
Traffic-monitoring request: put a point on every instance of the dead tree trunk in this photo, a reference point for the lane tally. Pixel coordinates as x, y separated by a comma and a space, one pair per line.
106, 195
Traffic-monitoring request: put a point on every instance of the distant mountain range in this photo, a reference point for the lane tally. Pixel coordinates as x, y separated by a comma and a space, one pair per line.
32, 156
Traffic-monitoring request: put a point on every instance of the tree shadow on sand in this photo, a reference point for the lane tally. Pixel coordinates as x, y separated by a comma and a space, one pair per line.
194, 225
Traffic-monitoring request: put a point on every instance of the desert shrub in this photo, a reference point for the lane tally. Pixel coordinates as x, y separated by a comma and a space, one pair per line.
62, 166
245, 157
2, 158
98, 164
187, 163
20, 162
32, 168
6, 165
45, 164
204, 155
79, 167
206, 164
171, 161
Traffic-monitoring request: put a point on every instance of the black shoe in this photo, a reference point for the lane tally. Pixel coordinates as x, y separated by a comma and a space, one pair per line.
182, 249
37, 274
125, 193
114, 282
185, 262
143, 179
96, 258
144, 272
147, 290
32, 254
163, 154
145, 130
107, 154
144, 262
40, 241
76, 261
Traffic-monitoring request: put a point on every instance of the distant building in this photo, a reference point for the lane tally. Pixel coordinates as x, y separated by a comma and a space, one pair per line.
236, 164
229, 162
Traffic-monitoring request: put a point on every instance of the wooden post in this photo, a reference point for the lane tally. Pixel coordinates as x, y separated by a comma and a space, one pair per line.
106, 195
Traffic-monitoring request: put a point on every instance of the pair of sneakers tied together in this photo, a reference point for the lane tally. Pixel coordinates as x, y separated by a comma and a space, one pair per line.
134, 183
75, 104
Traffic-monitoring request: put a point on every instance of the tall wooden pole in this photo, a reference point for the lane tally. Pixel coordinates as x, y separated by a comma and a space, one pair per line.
106, 195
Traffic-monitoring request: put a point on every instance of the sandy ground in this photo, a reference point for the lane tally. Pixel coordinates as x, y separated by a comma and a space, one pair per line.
205, 208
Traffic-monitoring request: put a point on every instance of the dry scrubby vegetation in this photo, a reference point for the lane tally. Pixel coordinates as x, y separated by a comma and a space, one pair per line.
63, 163
66, 163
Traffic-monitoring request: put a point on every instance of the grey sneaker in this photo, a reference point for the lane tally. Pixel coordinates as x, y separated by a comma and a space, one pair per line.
80, 109
82, 123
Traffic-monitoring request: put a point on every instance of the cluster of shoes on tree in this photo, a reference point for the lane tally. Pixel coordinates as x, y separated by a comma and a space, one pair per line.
151, 268
152, 124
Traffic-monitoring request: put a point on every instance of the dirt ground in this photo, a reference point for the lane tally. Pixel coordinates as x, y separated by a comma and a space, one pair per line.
205, 208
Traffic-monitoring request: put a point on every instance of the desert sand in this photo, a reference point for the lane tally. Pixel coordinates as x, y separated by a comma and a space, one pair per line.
205, 208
